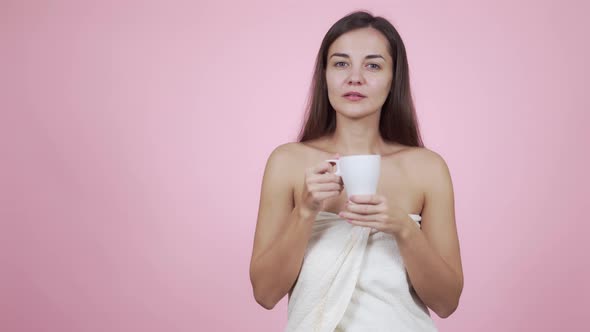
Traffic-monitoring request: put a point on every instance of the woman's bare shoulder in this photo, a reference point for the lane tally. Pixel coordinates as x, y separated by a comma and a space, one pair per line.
425, 164
289, 156
416, 154
290, 151
288, 161
300, 152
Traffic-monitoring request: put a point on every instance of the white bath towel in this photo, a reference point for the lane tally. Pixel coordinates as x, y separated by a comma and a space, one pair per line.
353, 279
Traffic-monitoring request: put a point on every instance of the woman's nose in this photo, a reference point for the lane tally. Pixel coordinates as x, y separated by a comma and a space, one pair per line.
355, 77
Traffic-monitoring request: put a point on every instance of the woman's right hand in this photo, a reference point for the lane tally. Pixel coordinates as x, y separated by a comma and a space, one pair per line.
320, 184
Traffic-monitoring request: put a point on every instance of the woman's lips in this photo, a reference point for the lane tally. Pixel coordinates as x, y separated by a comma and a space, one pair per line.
354, 97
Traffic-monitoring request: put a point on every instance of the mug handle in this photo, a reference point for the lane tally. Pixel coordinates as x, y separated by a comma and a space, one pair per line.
337, 162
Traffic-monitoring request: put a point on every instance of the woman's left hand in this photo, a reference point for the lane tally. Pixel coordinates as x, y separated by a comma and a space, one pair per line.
373, 211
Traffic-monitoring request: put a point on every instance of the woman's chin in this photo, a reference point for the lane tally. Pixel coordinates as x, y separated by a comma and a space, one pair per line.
355, 112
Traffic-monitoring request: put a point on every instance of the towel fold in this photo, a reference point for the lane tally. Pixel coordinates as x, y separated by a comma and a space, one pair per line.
353, 279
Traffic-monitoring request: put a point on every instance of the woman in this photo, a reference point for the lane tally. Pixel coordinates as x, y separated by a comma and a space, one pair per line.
361, 264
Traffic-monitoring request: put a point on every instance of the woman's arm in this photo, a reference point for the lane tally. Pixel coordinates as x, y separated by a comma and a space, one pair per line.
431, 255
282, 232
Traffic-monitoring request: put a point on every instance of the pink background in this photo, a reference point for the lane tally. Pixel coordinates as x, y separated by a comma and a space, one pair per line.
134, 138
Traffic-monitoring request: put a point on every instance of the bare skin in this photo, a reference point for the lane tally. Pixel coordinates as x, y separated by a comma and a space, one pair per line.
395, 181
298, 183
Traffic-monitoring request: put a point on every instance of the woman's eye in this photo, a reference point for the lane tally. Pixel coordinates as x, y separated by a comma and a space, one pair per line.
344, 64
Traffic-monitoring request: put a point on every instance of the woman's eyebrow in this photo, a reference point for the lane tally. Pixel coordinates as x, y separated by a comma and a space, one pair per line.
374, 56
370, 56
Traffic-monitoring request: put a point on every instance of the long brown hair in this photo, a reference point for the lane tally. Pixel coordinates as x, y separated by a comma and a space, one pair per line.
398, 121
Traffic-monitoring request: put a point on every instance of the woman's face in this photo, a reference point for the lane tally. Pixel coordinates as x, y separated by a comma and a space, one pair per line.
359, 63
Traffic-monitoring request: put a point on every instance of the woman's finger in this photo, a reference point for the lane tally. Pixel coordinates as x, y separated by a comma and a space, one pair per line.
321, 168
322, 195
320, 187
324, 178
364, 208
356, 216
367, 199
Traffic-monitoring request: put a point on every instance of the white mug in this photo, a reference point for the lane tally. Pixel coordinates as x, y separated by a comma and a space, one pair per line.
360, 173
